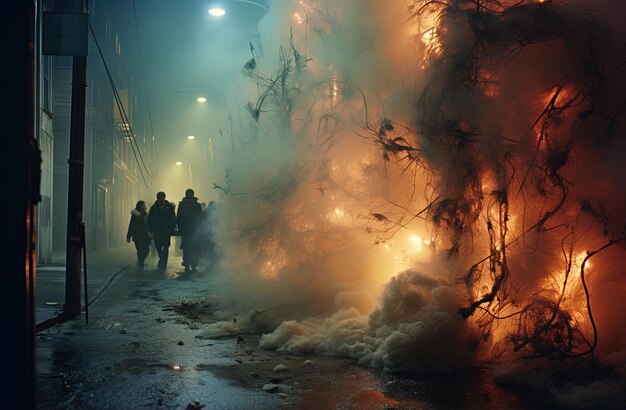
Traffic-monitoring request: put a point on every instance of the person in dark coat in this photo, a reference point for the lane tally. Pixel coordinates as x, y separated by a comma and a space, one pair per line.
189, 219
139, 233
162, 223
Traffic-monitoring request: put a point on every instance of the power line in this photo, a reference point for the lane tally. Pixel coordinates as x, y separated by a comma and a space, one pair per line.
127, 127
145, 88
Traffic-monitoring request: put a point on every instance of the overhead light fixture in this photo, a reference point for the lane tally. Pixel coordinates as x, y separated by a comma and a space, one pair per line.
191, 137
179, 163
217, 12
201, 99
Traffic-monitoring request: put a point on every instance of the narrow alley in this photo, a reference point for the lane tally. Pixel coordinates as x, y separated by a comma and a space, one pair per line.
144, 349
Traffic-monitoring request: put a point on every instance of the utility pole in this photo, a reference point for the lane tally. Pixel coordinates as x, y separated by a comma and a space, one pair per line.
76, 162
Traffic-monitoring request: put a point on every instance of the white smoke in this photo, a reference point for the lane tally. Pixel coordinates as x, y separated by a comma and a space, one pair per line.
415, 328
324, 237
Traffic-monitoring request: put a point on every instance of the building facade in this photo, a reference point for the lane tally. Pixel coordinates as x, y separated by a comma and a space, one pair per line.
112, 180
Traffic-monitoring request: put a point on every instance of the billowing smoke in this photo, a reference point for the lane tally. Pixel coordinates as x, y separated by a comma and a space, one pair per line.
423, 185
302, 184
415, 328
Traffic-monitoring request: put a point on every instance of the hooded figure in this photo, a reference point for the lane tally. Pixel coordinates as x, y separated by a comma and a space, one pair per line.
139, 233
189, 218
162, 223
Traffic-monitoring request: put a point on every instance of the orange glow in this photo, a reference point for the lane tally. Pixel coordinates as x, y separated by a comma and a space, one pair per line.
298, 18
560, 96
580, 259
556, 98
488, 84
305, 9
271, 268
488, 184
425, 29
557, 279
275, 260
416, 243
337, 216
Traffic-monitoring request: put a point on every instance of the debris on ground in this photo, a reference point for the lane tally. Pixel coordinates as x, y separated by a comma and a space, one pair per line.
271, 387
281, 368
195, 405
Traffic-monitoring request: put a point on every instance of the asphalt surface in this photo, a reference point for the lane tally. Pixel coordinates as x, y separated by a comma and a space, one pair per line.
139, 349
143, 348
102, 268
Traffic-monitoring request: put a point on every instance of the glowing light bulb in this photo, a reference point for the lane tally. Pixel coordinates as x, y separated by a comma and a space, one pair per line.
217, 12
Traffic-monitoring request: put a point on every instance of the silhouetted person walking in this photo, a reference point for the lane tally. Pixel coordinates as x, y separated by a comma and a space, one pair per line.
139, 233
189, 218
162, 223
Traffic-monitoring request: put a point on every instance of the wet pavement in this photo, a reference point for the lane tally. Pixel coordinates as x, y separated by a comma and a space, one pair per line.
143, 349
138, 352
102, 268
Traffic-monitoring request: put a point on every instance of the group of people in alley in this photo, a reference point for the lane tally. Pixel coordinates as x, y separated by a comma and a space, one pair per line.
191, 221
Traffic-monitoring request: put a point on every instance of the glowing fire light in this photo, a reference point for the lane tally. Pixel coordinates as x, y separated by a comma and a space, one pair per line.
488, 84
337, 216
276, 260
558, 278
558, 97
416, 243
580, 258
270, 270
298, 18
561, 96
426, 30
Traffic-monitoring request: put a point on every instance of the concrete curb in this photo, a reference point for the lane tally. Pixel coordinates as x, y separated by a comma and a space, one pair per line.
60, 317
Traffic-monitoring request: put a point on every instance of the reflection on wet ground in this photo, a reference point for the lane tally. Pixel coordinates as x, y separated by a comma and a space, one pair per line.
360, 388
141, 349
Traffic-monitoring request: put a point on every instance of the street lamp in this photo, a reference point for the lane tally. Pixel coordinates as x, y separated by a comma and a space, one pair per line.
218, 11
